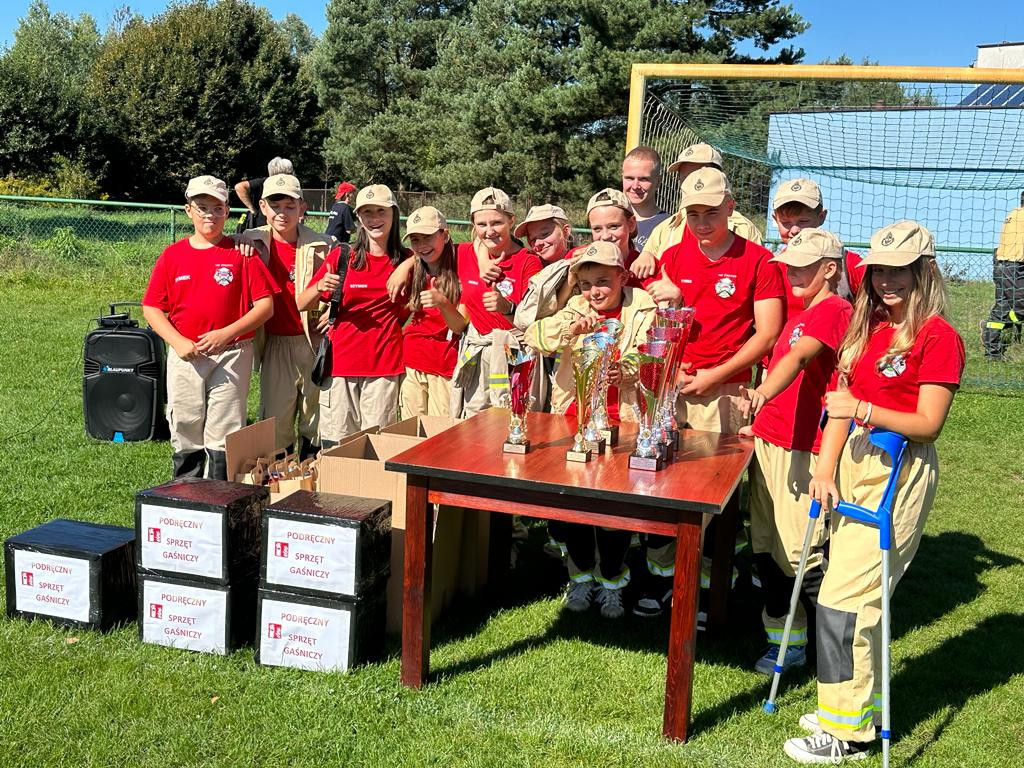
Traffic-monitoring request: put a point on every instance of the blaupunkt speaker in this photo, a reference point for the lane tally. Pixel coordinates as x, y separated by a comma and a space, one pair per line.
124, 385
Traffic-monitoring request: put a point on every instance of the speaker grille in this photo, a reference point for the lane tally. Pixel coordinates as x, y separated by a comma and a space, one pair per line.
118, 401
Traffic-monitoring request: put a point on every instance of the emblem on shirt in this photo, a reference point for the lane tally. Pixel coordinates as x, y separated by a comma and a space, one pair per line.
725, 287
505, 287
291, 275
223, 276
798, 331
894, 367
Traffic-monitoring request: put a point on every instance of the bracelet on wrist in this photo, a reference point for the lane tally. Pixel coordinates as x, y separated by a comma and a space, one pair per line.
867, 416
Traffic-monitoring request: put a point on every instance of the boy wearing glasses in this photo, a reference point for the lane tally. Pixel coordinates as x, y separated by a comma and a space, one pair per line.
206, 300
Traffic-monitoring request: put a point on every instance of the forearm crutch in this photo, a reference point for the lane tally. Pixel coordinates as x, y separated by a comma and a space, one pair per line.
814, 514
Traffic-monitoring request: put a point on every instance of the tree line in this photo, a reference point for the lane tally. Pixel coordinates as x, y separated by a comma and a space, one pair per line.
530, 95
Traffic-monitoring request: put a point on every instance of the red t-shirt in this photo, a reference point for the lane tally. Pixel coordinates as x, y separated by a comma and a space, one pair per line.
722, 293
366, 339
203, 289
613, 392
937, 357
516, 270
286, 320
792, 419
429, 345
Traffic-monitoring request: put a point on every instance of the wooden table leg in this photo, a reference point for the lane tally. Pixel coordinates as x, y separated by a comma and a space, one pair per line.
683, 632
416, 583
724, 551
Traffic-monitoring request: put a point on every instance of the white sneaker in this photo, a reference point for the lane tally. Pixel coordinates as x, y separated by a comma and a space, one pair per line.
809, 723
824, 748
579, 596
610, 601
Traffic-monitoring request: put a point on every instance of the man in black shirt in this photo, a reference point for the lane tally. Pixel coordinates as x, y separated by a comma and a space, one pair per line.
340, 224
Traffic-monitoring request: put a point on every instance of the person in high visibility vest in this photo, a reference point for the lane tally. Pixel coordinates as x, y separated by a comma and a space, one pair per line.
1008, 276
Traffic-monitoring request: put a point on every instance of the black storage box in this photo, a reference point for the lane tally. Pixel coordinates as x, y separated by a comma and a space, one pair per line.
197, 616
326, 544
73, 573
208, 530
318, 633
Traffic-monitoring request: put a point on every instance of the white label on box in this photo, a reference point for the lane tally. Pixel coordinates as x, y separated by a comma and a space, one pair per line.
52, 585
184, 617
311, 556
304, 636
181, 541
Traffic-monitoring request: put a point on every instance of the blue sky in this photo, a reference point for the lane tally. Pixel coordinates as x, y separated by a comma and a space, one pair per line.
923, 32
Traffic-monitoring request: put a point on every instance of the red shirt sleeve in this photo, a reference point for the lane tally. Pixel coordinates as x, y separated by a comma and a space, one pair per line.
768, 283
942, 355
157, 294
828, 325
260, 283
332, 260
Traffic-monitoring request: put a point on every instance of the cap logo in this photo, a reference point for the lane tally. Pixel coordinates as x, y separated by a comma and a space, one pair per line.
591, 250
416, 219
688, 152
604, 196
369, 194
280, 182
698, 186
208, 181
797, 240
796, 186
888, 239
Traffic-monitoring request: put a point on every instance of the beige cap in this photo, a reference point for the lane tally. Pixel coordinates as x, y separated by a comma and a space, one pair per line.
900, 244
490, 199
809, 246
598, 253
376, 194
707, 186
697, 153
609, 196
803, 191
282, 184
539, 213
207, 185
425, 221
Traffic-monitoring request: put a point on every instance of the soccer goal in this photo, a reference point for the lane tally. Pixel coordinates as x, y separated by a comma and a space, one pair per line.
944, 146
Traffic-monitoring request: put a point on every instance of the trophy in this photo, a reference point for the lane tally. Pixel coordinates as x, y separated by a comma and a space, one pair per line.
586, 367
521, 365
650, 451
605, 338
673, 325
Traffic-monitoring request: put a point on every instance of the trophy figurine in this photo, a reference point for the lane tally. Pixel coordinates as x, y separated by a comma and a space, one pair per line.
521, 365
672, 324
586, 366
650, 381
606, 339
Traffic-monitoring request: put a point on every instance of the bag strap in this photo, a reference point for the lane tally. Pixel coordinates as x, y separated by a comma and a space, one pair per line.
335, 304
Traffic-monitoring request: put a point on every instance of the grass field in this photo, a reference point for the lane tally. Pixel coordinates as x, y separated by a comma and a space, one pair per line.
520, 684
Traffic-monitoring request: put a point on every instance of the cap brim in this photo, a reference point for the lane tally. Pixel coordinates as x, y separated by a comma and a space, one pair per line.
712, 200
893, 258
520, 229
781, 200
801, 259
420, 231
208, 193
291, 194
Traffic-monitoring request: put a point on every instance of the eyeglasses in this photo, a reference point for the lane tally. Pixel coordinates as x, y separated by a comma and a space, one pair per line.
214, 213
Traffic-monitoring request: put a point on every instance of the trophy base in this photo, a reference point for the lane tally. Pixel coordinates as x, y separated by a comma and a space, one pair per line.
610, 435
596, 446
648, 464
578, 456
516, 447
667, 451
673, 438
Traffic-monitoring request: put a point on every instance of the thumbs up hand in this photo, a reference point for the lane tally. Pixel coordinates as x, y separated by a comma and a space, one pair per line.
432, 297
664, 290
330, 281
840, 403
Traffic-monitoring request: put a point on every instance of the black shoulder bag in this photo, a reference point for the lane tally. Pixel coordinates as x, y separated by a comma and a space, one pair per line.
322, 358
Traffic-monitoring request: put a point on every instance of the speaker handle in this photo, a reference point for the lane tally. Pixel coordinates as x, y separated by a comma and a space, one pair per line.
115, 305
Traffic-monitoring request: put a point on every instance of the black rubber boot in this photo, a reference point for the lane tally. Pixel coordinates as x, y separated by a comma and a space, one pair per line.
218, 461
188, 463
307, 449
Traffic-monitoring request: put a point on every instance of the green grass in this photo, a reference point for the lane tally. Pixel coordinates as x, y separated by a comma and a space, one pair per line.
521, 684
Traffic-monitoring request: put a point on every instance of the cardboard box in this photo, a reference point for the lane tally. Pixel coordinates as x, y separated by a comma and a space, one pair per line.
72, 573
326, 545
420, 426
319, 633
356, 468
211, 618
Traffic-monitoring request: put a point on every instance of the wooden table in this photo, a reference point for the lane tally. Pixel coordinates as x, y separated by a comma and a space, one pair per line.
465, 467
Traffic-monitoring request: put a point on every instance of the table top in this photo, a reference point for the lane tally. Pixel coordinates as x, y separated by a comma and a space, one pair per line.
704, 474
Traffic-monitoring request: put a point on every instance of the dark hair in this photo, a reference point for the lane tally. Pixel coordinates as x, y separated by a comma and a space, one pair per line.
795, 208
396, 251
447, 277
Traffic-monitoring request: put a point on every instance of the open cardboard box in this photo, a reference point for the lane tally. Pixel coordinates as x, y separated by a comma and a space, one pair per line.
356, 468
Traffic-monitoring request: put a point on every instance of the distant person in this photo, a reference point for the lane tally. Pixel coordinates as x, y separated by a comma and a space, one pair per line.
250, 192
340, 223
1008, 276
641, 180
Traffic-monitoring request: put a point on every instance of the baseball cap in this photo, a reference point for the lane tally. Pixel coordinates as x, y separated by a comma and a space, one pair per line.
706, 186
539, 213
376, 194
343, 189
809, 246
598, 253
697, 153
490, 199
900, 244
609, 196
425, 221
803, 191
282, 184
207, 185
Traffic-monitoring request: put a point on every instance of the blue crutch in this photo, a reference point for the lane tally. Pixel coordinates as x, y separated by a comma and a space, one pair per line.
895, 445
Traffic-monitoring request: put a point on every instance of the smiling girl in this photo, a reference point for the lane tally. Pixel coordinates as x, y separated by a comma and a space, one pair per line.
902, 362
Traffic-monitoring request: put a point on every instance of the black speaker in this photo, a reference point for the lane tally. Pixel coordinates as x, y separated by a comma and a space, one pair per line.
124, 387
